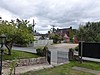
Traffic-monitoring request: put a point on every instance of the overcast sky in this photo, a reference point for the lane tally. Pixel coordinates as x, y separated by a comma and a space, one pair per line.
61, 13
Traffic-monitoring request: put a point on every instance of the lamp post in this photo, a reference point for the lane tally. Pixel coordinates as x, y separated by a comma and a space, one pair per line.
2, 42
33, 28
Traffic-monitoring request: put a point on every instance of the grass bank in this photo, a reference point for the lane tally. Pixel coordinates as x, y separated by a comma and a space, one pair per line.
19, 55
66, 69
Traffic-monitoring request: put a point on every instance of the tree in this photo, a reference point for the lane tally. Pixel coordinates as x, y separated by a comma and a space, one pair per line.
56, 38
71, 34
90, 32
24, 31
9, 30
18, 33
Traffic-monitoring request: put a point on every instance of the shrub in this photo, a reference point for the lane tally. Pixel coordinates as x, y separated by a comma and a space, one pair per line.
71, 49
77, 48
40, 51
71, 54
74, 49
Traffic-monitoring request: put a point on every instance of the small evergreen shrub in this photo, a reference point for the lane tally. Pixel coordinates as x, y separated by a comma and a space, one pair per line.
40, 51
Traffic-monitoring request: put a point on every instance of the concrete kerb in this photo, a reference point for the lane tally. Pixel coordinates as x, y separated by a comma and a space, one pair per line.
23, 69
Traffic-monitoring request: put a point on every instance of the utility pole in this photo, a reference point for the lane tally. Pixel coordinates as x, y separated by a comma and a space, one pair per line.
0, 17
53, 28
33, 28
81, 48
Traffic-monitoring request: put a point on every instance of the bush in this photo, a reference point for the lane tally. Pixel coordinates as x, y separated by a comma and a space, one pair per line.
71, 54
71, 49
74, 49
77, 48
56, 38
40, 51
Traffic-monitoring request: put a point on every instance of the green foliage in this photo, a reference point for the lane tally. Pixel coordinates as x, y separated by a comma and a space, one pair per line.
56, 38
23, 37
76, 48
12, 67
40, 51
7, 29
71, 34
71, 49
97, 39
18, 32
90, 32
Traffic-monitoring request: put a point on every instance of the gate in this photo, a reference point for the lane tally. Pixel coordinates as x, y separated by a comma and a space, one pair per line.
91, 50
62, 57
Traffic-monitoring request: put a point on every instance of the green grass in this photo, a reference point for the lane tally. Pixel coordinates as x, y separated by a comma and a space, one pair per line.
66, 69
19, 55
88, 64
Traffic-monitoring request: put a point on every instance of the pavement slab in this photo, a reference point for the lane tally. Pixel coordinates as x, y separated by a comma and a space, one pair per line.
23, 69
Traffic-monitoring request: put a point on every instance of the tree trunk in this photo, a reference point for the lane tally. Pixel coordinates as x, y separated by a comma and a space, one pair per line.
9, 47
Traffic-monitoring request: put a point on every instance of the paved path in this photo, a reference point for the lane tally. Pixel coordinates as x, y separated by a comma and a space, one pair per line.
26, 49
63, 46
24, 69
86, 70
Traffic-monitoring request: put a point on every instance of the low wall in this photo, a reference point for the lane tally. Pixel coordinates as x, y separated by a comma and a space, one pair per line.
41, 43
25, 62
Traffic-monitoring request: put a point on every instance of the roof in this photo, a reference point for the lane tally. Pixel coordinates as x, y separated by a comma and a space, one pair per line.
64, 29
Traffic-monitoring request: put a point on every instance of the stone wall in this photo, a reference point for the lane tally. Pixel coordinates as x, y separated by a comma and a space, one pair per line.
25, 62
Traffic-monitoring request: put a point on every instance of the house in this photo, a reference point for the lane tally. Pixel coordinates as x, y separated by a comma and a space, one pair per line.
65, 33
39, 36
66, 38
36, 35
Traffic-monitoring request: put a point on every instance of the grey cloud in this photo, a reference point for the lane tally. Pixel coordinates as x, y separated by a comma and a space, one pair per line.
62, 13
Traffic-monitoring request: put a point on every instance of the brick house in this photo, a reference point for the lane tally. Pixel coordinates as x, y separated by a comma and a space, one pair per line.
64, 33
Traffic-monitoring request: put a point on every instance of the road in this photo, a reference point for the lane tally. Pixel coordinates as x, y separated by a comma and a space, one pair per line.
62, 47
26, 49
58, 47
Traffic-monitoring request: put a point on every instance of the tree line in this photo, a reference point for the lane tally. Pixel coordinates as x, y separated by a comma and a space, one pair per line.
90, 32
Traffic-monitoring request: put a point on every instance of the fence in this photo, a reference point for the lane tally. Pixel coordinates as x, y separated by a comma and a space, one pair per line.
91, 50
41, 43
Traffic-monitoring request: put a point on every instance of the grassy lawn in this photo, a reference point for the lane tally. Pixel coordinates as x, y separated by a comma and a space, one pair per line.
19, 55
67, 69
89, 65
